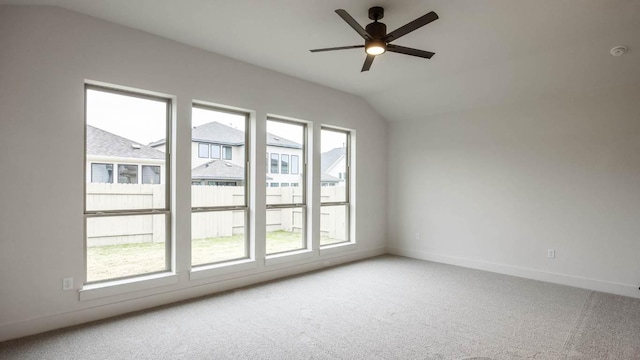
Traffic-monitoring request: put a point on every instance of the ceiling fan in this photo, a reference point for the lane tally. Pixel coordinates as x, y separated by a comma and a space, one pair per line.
376, 39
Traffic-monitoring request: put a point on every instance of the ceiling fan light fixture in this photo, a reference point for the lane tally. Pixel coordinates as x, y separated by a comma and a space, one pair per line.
375, 47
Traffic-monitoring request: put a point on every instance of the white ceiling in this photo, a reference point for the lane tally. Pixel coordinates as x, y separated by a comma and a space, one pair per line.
488, 52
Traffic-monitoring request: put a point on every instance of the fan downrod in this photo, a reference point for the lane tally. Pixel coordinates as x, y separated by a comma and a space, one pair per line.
376, 13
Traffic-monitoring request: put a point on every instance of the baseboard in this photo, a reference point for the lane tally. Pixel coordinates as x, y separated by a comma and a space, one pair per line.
13, 330
562, 279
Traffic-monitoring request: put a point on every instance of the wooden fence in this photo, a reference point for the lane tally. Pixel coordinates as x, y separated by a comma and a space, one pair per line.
114, 230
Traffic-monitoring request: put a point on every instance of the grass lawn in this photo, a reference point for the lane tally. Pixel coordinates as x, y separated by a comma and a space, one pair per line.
115, 261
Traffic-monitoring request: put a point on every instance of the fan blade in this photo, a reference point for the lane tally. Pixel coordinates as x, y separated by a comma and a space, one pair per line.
415, 24
338, 48
367, 63
353, 23
410, 51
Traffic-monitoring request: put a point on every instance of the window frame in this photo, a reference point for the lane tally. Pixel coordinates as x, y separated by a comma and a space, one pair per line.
347, 198
223, 208
124, 166
98, 163
143, 166
166, 210
224, 148
277, 159
303, 204
284, 164
200, 146
211, 151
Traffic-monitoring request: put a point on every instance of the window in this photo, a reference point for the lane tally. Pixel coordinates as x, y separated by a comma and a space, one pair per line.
219, 213
286, 206
334, 194
295, 184
127, 174
203, 150
150, 174
284, 164
102, 173
294, 165
226, 152
284, 184
274, 163
127, 227
215, 151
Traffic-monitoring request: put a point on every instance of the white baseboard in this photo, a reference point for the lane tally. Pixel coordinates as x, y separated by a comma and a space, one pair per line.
13, 330
562, 279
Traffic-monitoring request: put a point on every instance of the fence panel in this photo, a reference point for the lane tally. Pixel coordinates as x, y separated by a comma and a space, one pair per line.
122, 230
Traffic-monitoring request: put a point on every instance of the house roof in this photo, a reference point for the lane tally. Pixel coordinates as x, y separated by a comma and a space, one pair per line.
327, 159
275, 140
104, 143
329, 178
219, 170
217, 133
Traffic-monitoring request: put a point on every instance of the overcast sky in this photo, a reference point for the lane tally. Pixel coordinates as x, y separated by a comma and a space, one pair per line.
144, 121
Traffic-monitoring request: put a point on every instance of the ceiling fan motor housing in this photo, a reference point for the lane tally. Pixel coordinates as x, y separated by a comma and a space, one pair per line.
377, 30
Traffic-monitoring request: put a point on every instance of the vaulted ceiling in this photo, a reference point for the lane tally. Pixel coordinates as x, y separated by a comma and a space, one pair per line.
488, 52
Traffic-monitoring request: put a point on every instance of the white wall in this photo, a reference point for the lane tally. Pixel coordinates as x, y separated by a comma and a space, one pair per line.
495, 188
47, 53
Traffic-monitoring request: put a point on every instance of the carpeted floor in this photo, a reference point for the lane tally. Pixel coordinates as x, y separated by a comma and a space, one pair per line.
382, 308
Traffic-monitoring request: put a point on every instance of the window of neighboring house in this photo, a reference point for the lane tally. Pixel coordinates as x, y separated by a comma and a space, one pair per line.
274, 163
286, 219
215, 151
101, 173
203, 150
284, 164
295, 165
219, 212
150, 174
284, 184
127, 174
127, 228
221, 183
294, 184
335, 161
226, 152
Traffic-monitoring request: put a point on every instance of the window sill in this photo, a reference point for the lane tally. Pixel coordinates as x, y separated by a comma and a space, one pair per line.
289, 256
118, 287
336, 248
206, 271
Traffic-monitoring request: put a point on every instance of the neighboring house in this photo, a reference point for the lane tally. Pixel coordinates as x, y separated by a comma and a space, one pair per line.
285, 160
218, 153
219, 173
333, 166
115, 159
217, 158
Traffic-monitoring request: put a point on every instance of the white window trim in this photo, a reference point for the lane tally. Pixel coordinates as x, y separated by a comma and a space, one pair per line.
124, 286
166, 211
211, 269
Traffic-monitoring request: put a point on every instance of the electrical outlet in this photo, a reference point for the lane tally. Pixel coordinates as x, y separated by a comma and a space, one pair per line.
551, 253
418, 236
67, 283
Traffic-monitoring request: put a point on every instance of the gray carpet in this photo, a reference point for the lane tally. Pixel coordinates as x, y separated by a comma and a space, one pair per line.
382, 308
